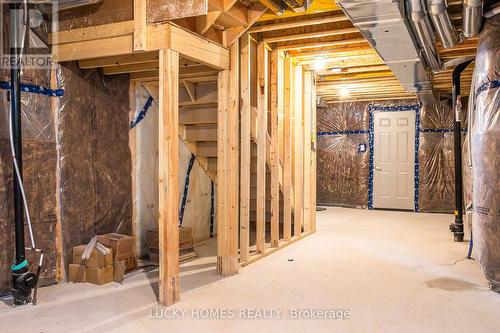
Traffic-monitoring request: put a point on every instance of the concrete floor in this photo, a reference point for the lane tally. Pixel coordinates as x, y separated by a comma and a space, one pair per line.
389, 271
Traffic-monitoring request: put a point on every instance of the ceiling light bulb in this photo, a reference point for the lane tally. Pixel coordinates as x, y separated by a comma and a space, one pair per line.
319, 64
344, 92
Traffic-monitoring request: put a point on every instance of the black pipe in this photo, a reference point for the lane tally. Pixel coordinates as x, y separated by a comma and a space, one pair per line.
458, 226
20, 293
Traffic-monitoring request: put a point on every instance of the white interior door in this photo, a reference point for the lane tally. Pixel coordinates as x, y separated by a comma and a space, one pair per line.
394, 160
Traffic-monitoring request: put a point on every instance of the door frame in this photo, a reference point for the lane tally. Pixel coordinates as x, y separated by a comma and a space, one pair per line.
371, 140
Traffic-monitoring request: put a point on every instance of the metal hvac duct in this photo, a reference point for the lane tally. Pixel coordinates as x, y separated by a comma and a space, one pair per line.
472, 17
442, 23
421, 26
383, 24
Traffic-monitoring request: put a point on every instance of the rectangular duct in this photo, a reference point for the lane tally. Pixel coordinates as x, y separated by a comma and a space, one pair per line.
383, 24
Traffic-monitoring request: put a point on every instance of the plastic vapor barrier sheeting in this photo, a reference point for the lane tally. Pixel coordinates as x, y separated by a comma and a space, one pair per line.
39, 165
485, 149
342, 169
95, 162
344, 152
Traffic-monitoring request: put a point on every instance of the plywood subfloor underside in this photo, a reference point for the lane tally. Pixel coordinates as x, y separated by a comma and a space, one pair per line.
394, 271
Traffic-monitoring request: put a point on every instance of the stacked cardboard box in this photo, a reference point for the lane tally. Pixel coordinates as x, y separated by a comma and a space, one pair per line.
97, 269
186, 249
123, 248
102, 268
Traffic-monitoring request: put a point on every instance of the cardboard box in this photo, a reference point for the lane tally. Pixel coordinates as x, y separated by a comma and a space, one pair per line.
186, 244
130, 263
152, 239
100, 276
122, 245
119, 270
77, 273
96, 259
185, 233
185, 238
154, 258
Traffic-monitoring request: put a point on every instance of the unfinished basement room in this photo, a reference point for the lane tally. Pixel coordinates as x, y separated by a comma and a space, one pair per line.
249, 166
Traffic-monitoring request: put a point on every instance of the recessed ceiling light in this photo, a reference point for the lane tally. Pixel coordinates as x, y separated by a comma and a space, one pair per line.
336, 70
344, 92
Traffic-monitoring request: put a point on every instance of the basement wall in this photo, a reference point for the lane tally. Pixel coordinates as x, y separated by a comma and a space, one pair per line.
343, 169
39, 164
95, 158
144, 146
83, 140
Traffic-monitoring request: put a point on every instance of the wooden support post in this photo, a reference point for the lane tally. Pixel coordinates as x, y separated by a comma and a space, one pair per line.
245, 158
313, 157
54, 101
274, 155
132, 144
307, 119
287, 161
298, 212
169, 177
262, 87
227, 166
140, 25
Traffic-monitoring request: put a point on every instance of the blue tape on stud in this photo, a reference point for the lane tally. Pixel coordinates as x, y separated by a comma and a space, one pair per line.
212, 210
342, 132
490, 85
440, 130
34, 89
371, 109
20, 265
370, 145
142, 114
417, 164
186, 190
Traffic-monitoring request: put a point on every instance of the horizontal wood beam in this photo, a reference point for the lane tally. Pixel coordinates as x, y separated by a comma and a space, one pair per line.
198, 49
122, 60
92, 33
317, 34
92, 49
341, 42
298, 24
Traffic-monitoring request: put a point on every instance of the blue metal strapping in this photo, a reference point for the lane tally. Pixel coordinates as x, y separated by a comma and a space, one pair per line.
490, 85
212, 211
142, 114
440, 130
343, 132
415, 108
20, 265
416, 174
186, 190
34, 89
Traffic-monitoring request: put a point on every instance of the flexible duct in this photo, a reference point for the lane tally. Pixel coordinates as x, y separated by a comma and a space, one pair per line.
442, 23
472, 17
422, 30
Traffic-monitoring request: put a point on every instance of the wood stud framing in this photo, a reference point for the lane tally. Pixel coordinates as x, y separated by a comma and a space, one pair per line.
274, 153
227, 167
169, 177
257, 111
245, 158
262, 110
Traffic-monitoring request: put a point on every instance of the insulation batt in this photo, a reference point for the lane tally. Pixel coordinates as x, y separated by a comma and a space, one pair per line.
343, 170
485, 149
